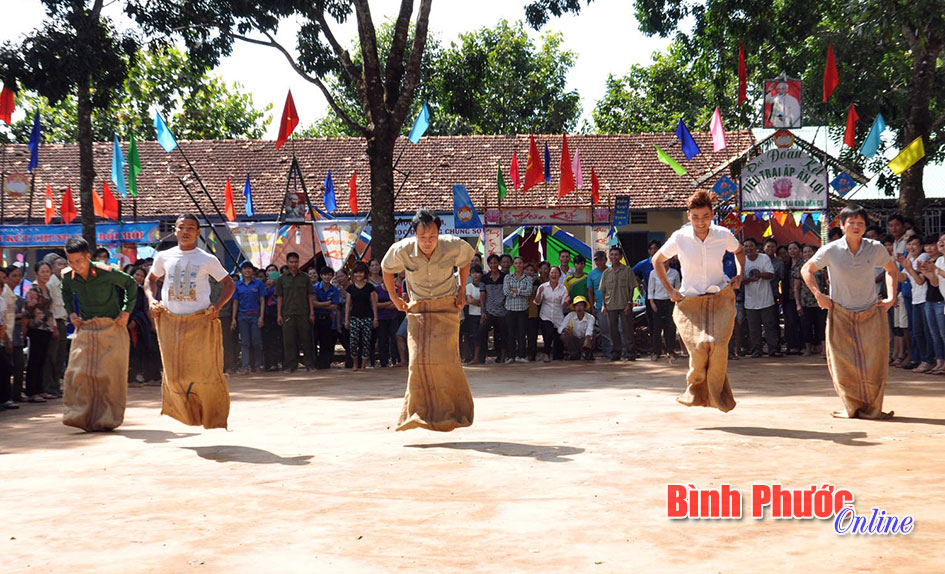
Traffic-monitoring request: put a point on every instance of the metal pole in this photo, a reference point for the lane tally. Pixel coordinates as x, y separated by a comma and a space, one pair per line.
29, 212
202, 186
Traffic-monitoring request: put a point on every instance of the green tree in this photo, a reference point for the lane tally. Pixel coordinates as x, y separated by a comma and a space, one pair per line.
200, 105
889, 54
75, 52
386, 88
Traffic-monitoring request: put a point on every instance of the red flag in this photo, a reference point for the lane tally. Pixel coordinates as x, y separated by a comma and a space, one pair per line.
849, 136
534, 171
97, 206
229, 210
595, 188
67, 206
516, 182
831, 79
6, 104
109, 203
742, 74
50, 209
290, 119
353, 193
566, 183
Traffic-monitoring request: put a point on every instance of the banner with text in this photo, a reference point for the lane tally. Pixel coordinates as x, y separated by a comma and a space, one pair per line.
57, 235
784, 180
256, 240
337, 238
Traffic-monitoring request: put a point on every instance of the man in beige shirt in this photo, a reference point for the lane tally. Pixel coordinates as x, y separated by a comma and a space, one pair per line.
617, 284
438, 396
58, 350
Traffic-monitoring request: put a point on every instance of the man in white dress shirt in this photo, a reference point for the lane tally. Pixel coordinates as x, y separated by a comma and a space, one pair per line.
760, 305
705, 304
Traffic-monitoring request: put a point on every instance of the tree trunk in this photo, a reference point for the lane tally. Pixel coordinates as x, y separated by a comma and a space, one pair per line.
380, 150
86, 168
918, 124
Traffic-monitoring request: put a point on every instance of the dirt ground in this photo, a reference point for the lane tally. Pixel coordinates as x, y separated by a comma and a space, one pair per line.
564, 470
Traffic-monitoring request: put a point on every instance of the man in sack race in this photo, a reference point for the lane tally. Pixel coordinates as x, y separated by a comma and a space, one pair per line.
96, 379
438, 397
193, 388
705, 303
857, 323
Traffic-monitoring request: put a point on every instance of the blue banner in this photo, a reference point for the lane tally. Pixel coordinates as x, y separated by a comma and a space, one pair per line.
464, 213
57, 235
621, 210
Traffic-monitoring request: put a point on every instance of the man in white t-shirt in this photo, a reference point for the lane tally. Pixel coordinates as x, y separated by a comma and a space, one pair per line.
577, 331
760, 306
661, 305
193, 391
471, 323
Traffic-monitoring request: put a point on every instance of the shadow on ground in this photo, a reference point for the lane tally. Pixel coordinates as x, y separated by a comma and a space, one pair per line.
538, 452
152, 436
246, 454
845, 438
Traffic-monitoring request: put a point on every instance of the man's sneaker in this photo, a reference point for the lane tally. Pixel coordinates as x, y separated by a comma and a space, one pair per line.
521, 360
509, 361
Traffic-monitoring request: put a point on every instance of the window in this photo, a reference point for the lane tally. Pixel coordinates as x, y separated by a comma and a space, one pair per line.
638, 218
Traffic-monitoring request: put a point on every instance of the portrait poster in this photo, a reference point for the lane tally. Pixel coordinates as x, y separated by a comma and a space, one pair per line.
782, 105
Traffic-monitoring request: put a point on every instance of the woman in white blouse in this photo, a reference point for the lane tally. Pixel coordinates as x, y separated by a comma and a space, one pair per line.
551, 298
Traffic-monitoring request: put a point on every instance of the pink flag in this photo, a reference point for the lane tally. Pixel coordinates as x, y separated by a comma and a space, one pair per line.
718, 132
576, 169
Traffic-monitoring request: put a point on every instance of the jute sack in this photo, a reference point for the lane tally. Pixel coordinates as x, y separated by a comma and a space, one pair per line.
96, 380
193, 389
705, 326
438, 397
857, 351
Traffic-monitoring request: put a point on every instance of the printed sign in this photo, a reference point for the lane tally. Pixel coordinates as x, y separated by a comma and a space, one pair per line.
621, 210
784, 180
57, 235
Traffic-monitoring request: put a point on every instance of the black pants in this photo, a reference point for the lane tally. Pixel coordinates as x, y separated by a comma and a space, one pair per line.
296, 332
5, 389
469, 336
272, 345
767, 317
813, 325
792, 327
500, 330
517, 322
663, 325
554, 347
346, 343
326, 341
39, 344
534, 325
385, 338
17, 366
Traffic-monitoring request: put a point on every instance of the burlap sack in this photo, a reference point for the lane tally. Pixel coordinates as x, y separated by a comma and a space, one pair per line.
438, 396
857, 358
193, 389
96, 380
705, 326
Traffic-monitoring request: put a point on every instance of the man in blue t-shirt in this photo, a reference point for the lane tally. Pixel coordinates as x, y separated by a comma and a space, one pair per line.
249, 300
327, 302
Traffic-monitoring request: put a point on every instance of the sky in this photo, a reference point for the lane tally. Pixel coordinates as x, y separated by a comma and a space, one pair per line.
604, 36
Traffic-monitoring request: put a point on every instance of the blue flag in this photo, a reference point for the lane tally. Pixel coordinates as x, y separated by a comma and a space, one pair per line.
35, 136
118, 168
248, 194
547, 163
330, 204
724, 187
843, 183
464, 213
420, 125
164, 135
873, 139
689, 147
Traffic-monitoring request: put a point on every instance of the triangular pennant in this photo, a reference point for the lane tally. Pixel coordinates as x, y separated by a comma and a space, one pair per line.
797, 218
229, 207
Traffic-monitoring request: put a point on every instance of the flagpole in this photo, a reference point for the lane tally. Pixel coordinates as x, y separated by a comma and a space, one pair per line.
29, 212
3, 183
202, 186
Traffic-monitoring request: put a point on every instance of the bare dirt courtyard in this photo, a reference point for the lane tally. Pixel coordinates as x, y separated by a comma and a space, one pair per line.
564, 470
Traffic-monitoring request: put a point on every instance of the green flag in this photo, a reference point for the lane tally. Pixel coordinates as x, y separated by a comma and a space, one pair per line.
500, 182
134, 166
665, 158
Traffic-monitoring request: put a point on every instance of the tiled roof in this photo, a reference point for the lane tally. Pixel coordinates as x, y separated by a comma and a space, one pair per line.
625, 165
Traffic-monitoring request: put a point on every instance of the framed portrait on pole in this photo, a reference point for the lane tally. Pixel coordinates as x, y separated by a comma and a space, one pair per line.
782, 106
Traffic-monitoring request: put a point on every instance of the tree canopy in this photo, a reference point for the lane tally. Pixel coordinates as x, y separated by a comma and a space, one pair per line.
200, 105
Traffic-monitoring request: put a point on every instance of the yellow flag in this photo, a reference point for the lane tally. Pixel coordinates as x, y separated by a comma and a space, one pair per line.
767, 232
907, 157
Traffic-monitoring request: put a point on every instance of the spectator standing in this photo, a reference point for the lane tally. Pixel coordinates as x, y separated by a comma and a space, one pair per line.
576, 283
470, 345
517, 288
792, 326
813, 318
271, 331
385, 332
759, 300
494, 312
361, 316
14, 316
534, 321
660, 303
296, 314
551, 298
917, 321
596, 301
617, 285
41, 330
327, 320
249, 303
